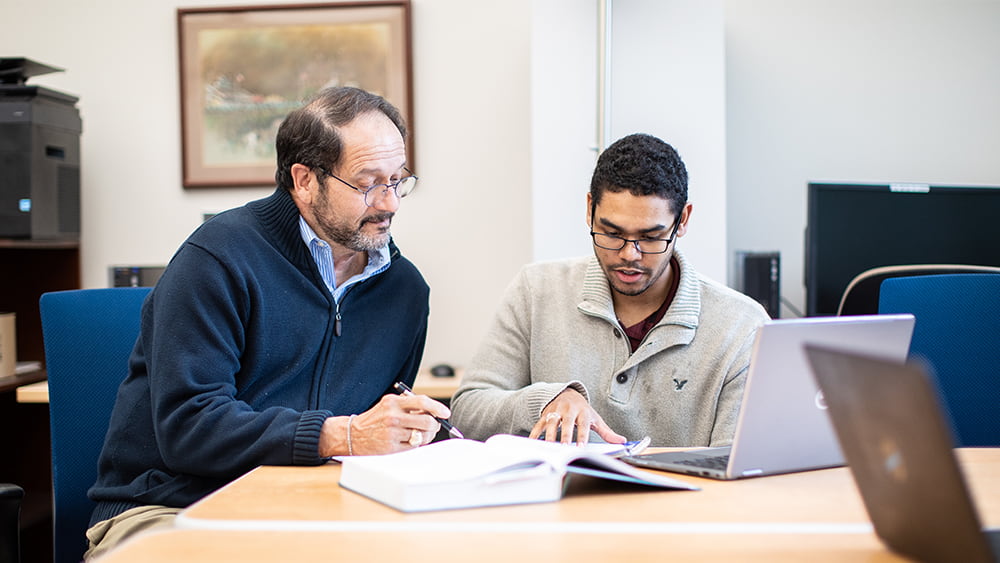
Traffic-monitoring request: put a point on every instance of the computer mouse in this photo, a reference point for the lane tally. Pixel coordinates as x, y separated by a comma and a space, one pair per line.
442, 370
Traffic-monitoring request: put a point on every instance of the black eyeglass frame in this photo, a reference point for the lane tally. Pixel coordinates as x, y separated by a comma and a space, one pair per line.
385, 187
666, 241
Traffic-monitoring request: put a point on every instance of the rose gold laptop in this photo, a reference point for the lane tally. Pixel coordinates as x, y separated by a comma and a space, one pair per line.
898, 444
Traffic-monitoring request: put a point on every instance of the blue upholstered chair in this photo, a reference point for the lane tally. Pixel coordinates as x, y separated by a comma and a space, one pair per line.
861, 295
88, 335
958, 333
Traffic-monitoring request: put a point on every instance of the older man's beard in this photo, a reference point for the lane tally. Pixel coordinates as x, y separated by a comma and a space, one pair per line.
350, 236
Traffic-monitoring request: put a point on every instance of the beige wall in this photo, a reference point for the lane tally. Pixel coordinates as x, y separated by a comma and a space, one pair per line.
471, 137
505, 93
853, 90
505, 127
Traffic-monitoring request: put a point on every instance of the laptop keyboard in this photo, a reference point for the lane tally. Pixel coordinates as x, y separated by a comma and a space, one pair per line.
719, 462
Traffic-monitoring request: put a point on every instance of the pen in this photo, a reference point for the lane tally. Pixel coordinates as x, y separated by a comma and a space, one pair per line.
404, 389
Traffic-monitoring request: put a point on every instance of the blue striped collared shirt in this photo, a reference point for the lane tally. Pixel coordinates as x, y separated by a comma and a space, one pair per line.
378, 261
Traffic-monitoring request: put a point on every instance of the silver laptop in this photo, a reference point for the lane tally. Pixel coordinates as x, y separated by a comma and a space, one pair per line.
898, 445
783, 426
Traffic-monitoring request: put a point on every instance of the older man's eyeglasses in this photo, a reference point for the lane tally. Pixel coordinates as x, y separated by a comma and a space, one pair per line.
402, 187
643, 245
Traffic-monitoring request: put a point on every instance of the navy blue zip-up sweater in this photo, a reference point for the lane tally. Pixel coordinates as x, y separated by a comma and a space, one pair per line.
237, 364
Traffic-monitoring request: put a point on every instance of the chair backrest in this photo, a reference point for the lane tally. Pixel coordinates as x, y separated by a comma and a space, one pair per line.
89, 335
10, 522
861, 295
957, 332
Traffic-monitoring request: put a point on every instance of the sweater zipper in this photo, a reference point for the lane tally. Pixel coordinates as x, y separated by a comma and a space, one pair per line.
337, 319
337, 325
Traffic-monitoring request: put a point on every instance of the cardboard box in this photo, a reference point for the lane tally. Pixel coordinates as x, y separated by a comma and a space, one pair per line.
8, 345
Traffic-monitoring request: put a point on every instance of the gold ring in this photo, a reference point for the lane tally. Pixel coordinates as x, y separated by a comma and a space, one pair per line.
416, 438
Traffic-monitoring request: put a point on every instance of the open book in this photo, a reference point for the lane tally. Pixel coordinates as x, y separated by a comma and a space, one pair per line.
504, 469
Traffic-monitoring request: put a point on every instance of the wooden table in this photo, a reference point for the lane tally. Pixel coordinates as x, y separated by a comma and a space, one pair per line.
194, 546
294, 513
309, 498
37, 392
440, 388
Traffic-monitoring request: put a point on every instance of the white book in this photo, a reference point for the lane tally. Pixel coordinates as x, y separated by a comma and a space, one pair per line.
504, 469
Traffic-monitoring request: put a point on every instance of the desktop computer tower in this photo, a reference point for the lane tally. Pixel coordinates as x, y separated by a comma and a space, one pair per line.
39, 163
758, 275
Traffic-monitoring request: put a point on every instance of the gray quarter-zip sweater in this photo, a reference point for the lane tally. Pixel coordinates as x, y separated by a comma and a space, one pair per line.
556, 328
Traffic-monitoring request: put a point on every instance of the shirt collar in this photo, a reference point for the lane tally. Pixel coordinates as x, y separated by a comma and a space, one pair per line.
378, 260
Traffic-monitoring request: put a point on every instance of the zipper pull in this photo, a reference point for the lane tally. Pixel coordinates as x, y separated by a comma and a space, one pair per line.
336, 325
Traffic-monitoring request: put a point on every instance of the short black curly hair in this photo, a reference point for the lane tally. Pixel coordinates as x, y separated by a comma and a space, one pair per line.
642, 165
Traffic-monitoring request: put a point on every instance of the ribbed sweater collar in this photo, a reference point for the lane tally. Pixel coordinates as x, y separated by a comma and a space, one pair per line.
279, 218
685, 309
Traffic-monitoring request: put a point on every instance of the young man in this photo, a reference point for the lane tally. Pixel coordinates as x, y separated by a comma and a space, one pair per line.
629, 342
277, 331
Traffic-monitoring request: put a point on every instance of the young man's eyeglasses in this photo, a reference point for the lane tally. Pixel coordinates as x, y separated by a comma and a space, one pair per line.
402, 187
643, 245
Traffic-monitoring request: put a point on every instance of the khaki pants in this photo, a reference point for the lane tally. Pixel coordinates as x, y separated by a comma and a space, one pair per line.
106, 535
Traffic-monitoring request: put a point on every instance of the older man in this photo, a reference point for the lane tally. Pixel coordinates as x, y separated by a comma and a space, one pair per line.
277, 330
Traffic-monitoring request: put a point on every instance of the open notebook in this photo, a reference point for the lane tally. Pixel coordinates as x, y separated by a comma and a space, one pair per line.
504, 469
783, 425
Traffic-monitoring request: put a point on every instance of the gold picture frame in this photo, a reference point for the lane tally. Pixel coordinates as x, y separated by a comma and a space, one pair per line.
242, 69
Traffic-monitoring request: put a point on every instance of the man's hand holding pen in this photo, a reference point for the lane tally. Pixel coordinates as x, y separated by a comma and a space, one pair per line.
404, 389
396, 423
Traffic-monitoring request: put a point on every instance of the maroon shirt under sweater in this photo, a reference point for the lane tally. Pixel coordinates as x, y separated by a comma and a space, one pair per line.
639, 330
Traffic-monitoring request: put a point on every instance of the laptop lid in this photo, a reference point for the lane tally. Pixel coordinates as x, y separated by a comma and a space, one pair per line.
783, 425
898, 445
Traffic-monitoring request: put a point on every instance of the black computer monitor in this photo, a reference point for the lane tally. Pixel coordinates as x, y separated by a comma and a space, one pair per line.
853, 227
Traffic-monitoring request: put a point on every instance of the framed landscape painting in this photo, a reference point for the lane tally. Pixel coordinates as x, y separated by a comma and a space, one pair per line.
242, 69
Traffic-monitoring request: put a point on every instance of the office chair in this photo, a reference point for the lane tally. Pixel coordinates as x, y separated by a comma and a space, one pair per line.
957, 332
861, 295
88, 336
10, 522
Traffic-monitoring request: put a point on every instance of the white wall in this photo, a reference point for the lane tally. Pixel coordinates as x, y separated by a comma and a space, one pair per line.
504, 131
667, 79
464, 226
563, 124
504, 126
854, 90
121, 60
